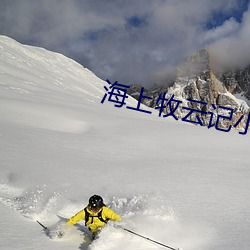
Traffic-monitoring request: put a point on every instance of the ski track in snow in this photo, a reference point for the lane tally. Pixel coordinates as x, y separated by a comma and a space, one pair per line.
145, 214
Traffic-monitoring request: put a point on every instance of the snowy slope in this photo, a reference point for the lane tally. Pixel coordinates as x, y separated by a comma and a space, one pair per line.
183, 185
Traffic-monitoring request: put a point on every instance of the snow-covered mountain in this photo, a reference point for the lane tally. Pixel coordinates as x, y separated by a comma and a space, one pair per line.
198, 80
237, 81
185, 186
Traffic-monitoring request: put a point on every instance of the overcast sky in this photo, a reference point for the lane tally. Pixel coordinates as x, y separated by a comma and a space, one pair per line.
132, 41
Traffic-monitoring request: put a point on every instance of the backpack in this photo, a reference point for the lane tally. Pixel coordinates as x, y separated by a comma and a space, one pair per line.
88, 216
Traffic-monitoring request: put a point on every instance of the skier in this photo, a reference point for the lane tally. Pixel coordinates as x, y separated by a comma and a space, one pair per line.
95, 214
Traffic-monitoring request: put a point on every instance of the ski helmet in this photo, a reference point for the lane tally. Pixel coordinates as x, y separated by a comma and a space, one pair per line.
95, 202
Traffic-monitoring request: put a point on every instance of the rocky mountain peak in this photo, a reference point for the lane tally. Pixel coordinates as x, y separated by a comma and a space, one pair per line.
197, 81
237, 81
197, 64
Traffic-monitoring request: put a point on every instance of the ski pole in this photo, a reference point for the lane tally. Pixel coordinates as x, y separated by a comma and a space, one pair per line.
45, 228
146, 238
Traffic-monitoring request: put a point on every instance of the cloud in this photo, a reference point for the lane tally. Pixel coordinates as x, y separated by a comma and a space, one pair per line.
228, 28
129, 41
233, 49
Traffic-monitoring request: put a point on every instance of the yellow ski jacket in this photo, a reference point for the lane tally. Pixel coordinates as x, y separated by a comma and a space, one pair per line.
94, 223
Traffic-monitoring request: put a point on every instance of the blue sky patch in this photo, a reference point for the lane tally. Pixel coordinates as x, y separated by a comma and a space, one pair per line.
136, 21
219, 17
